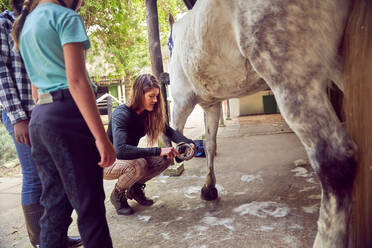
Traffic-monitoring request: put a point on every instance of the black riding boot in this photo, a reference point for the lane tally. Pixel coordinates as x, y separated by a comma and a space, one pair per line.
137, 193
119, 200
33, 213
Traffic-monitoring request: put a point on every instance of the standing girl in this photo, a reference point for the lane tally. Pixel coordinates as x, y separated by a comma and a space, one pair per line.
67, 135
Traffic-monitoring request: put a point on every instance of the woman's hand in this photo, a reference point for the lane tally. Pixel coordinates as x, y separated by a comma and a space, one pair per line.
106, 152
169, 152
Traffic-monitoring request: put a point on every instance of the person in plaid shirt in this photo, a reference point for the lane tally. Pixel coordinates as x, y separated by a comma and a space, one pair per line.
17, 101
15, 87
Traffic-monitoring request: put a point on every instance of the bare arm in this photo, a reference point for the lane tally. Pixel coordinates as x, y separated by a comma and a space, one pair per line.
83, 96
35, 96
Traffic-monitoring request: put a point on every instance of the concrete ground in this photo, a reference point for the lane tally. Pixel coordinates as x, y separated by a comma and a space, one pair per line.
264, 199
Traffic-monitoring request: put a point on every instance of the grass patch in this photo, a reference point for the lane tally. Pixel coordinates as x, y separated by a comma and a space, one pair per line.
7, 148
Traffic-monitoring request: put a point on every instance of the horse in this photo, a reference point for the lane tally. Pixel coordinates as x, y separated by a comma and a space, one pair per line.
227, 49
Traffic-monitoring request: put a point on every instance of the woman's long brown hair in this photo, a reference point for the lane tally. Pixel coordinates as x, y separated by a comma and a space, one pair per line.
154, 120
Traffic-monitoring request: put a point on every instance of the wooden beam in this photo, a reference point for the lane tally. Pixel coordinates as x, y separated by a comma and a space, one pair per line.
154, 47
155, 53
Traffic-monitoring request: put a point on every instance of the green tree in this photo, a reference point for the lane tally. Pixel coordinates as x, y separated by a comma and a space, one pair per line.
118, 34
4, 5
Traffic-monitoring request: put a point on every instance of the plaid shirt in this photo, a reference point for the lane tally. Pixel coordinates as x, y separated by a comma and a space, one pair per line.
15, 86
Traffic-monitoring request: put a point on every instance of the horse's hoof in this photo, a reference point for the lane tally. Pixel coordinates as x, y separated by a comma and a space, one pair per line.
209, 194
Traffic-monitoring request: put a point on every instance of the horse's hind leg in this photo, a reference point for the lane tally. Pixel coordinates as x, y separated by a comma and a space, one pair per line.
212, 116
307, 110
294, 58
330, 150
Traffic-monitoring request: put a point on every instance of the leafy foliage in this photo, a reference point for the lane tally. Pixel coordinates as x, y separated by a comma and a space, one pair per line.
4, 5
7, 148
118, 34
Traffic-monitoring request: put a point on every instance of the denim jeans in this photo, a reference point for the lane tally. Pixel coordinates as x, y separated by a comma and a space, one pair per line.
31, 185
67, 160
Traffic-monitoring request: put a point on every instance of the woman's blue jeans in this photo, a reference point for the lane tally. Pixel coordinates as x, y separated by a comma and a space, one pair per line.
31, 185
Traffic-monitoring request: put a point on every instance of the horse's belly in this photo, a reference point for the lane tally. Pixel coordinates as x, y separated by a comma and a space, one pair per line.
220, 89
225, 80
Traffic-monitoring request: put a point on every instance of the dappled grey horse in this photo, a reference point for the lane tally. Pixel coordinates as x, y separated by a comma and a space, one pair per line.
225, 49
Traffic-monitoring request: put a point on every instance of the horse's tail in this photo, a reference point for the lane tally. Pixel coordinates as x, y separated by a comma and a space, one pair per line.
358, 109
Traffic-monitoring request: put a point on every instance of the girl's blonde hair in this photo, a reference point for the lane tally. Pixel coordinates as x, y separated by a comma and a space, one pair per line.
154, 120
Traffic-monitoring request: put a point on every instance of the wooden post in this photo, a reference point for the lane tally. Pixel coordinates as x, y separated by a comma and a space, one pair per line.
228, 117
154, 47
164, 80
121, 90
222, 122
157, 70
109, 108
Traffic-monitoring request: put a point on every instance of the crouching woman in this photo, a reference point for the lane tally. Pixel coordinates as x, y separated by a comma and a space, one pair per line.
143, 115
